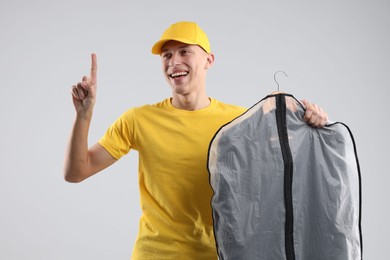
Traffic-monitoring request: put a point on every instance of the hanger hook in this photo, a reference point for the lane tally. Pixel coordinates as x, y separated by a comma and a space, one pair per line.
275, 77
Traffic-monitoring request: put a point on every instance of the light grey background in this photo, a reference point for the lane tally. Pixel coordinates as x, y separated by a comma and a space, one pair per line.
336, 54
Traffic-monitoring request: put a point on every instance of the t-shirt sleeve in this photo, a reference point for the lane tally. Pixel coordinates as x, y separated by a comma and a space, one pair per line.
118, 139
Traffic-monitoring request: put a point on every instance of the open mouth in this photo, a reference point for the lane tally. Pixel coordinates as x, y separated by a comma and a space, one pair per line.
178, 74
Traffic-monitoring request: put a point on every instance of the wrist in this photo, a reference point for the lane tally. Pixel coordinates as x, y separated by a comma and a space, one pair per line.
84, 115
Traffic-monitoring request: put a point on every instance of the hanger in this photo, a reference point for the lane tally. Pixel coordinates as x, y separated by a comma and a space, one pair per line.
270, 103
276, 80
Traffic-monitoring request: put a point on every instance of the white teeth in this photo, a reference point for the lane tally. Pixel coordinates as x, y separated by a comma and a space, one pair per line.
178, 74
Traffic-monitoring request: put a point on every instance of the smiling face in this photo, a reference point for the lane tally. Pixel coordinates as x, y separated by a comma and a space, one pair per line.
185, 67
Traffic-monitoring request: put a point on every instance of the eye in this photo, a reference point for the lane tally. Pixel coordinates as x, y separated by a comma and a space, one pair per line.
166, 55
184, 52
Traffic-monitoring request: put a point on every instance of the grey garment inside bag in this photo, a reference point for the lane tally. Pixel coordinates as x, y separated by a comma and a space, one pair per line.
283, 189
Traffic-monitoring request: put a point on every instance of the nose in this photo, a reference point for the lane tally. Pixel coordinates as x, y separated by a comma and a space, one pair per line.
175, 59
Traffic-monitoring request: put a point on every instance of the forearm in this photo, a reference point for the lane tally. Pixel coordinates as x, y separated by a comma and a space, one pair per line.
77, 155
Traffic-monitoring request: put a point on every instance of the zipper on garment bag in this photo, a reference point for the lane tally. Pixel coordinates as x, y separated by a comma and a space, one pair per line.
288, 174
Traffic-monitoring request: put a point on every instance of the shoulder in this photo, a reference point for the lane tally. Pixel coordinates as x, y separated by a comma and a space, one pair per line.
228, 107
164, 104
146, 108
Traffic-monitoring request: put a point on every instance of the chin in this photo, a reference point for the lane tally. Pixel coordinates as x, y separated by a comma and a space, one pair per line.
181, 90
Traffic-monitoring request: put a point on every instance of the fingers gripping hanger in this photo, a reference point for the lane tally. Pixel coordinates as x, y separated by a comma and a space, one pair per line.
276, 79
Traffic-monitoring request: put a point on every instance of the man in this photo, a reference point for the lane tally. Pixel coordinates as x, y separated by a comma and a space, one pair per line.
172, 138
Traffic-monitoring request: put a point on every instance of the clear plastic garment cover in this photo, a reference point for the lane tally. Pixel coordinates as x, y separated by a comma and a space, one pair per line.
283, 189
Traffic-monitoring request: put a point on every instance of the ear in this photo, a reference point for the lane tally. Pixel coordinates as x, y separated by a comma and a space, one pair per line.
209, 61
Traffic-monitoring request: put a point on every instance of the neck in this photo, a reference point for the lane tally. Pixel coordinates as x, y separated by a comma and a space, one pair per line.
190, 102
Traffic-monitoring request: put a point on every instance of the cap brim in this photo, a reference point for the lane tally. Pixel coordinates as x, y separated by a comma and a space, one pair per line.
157, 47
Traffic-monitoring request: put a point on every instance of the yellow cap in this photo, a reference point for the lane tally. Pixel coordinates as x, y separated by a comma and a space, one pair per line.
185, 32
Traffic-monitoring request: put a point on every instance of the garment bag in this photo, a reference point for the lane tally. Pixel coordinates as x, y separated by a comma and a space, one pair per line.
283, 189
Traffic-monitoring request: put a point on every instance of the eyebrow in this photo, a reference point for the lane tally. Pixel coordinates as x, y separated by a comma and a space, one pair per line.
180, 47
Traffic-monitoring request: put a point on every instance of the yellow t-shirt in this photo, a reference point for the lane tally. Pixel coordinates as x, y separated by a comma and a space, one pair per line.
175, 193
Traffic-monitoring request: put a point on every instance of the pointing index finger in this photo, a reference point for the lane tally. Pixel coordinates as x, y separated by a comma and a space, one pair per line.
93, 67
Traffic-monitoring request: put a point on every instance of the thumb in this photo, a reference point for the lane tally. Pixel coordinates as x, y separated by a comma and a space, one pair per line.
305, 103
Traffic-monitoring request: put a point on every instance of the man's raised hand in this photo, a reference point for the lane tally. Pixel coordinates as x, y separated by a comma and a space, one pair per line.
84, 92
